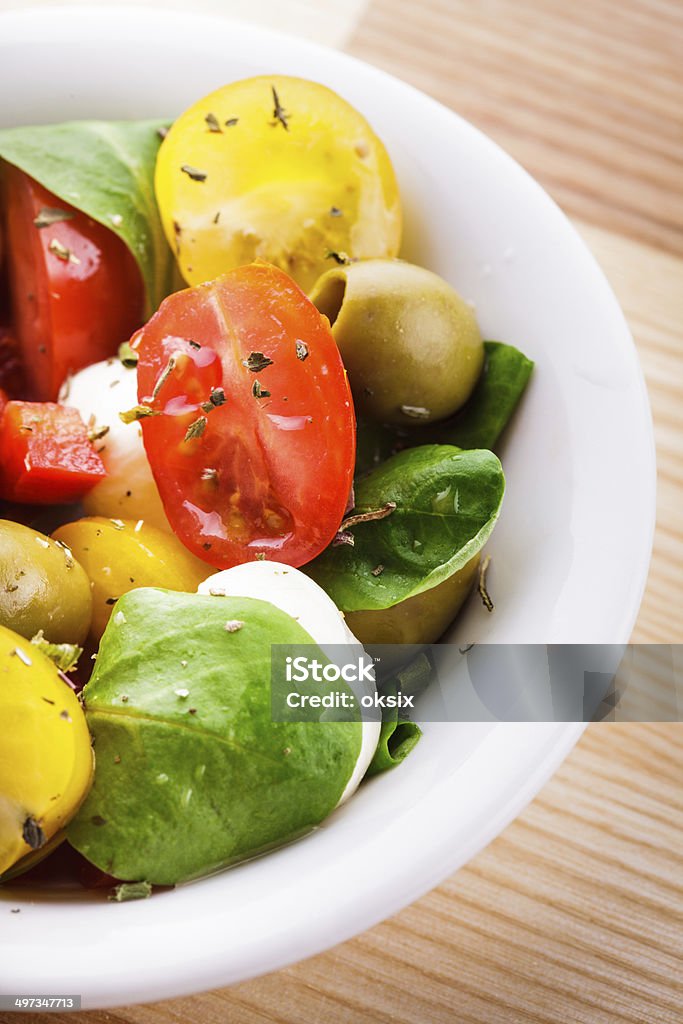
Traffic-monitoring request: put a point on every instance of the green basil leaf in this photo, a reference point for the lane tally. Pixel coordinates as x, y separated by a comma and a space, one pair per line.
65, 656
484, 417
411, 679
399, 736
377, 442
447, 503
192, 773
130, 891
396, 740
479, 424
106, 170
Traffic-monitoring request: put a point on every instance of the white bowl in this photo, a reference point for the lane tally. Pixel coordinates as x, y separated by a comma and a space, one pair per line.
570, 554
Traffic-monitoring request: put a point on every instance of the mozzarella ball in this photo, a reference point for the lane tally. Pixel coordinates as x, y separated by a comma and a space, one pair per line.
100, 392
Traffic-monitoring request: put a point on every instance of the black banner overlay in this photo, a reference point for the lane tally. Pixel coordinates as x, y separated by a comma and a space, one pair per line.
478, 682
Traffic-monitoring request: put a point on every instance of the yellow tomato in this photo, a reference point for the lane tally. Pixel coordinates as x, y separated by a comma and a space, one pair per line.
119, 555
279, 169
46, 760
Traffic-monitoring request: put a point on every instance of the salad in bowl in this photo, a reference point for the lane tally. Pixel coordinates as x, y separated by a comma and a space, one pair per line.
231, 417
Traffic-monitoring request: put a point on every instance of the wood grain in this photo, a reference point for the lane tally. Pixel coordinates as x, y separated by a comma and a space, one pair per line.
586, 96
574, 915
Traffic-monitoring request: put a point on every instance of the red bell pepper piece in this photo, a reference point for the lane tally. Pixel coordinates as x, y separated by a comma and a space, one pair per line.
45, 455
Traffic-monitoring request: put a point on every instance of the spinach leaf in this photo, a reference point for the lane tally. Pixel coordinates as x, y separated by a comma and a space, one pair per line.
412, 678
482, 420
479, 424
396, 739
106, 170
398, 736
376, 442
192, 773
447, 502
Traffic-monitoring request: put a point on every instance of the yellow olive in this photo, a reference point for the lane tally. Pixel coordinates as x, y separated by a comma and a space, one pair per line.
42, 586
46, 760
120, 555
417, 620
411, 346
275, 168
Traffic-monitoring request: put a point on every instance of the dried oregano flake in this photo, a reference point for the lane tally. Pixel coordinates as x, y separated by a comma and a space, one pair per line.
483, 592
213, 123
138, 412
130, 891
52, 215
196, 428
194, 173
257, 361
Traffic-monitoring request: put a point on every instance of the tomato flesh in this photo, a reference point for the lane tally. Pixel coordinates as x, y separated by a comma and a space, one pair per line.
267, 472
45, 455
12, 378
76, 292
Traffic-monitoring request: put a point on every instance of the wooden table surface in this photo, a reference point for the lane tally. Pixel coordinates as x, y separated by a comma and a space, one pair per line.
575, 913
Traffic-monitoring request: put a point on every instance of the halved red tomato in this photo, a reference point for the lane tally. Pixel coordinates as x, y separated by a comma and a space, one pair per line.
76, 291
247, 418
12, 378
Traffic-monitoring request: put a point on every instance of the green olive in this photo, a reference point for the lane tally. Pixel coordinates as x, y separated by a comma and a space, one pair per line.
119, 555
42, 586
410, 344
417, 620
